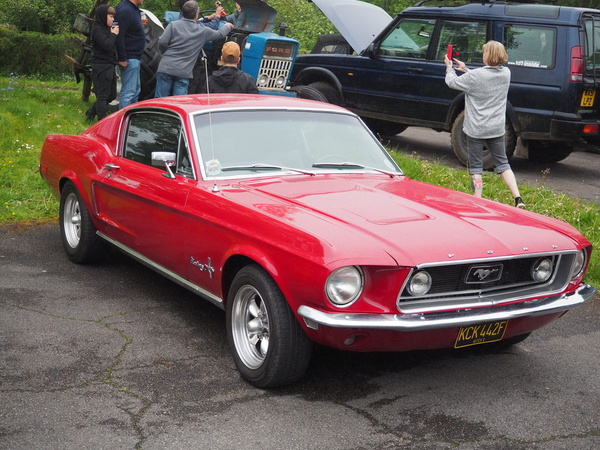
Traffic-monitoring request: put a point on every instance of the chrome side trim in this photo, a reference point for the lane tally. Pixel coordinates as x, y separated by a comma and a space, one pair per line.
165, 272
433, 321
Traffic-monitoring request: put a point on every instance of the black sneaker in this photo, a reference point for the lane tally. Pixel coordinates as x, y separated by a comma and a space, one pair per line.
519, 203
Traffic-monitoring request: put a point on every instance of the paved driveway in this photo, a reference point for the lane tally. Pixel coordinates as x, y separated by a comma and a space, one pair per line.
113, 356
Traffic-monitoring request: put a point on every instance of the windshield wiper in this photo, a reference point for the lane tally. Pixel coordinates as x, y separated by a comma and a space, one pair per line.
265, 167
351, 165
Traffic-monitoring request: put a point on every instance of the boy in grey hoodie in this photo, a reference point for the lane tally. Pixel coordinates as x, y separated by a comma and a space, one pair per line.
180, 45
485, 90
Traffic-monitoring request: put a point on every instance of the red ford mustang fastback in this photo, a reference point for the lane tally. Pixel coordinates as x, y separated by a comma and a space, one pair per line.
292, 217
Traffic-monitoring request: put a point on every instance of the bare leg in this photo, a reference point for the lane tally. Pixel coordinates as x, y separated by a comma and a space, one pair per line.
477, 184
509, 178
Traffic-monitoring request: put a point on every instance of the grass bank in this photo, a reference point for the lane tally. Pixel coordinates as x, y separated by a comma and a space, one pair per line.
31, 109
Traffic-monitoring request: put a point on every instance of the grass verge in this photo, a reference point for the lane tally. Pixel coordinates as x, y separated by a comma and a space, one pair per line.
32, 109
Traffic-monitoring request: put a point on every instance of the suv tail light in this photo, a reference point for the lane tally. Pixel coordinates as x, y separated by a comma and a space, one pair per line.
576, 65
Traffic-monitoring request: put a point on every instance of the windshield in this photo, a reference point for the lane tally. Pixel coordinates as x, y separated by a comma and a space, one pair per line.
255, 142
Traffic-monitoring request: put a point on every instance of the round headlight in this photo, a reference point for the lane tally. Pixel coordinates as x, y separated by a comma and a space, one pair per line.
579, 264
344, 285
542, 270
280, 81
263, 79
419, 284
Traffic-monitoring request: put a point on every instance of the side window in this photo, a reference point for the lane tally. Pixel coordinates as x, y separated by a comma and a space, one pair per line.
467, 39
409, 39
592, 43
530, 46
149, 132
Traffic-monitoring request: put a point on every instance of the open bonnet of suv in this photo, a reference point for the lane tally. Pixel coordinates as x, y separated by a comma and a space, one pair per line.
358, 22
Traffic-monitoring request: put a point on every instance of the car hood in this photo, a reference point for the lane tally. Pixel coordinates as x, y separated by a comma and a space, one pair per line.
358, 22
366, 218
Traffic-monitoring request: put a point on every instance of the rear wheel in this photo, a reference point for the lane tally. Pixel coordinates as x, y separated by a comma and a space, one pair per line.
458, 141
268, 345
308, 93
549, 152
383, 127
77, 231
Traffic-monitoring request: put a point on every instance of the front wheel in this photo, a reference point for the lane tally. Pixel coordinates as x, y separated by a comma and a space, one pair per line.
308, 93
268, 345
329, 91
458, 140
77, 231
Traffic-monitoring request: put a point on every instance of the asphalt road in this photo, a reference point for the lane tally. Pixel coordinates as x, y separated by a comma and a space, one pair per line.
112, 356
577, 175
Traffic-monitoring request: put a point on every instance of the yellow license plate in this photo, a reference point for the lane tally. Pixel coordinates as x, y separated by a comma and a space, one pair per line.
480, 333
587, 98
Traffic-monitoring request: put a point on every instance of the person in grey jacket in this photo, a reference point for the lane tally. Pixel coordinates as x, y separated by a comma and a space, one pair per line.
485, 91
180, 45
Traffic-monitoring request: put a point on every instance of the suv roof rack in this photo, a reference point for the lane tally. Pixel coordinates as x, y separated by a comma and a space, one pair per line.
463, 2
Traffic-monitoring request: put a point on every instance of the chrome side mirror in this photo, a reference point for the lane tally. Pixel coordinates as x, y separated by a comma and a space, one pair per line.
164, 159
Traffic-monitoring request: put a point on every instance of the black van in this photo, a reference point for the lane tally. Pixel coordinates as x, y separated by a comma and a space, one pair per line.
397, 79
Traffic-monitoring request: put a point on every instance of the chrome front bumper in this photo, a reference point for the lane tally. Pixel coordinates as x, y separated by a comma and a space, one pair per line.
432, 321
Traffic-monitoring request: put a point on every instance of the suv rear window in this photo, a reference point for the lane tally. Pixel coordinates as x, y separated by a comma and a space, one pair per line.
530, 46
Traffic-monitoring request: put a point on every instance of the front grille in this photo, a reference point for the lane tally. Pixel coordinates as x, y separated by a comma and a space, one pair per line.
273, 69
458, 286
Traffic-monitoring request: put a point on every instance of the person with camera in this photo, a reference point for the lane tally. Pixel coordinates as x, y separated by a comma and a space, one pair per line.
104, 59
486, 90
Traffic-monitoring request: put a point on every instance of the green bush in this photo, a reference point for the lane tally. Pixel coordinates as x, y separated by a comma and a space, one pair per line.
36, 54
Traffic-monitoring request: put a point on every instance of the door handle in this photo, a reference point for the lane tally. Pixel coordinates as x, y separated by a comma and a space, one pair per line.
110, 167
414, 70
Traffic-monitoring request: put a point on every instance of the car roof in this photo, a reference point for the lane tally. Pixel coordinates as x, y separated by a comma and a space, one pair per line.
188, 104
532, 13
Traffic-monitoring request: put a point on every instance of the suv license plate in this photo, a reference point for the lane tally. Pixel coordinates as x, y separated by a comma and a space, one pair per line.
480, 333
587, 98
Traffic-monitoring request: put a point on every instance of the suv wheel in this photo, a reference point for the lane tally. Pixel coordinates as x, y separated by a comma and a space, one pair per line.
330, 92
549, 152
458, 141
383, 127
309, 93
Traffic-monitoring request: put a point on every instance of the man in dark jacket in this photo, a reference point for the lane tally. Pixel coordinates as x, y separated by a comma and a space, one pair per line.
229, 79
130, 46
104, 60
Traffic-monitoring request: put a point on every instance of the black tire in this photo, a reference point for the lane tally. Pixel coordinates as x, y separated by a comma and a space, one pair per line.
309, 93
330, 92
458, 140
149, 65
549, 152
77, 231
268, 345
383, 127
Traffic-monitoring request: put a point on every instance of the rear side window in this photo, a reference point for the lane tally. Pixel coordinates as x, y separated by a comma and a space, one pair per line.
592, 43
530, 46
467, 39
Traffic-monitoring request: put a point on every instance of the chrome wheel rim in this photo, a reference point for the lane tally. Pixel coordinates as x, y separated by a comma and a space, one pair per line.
250, 327
72, 220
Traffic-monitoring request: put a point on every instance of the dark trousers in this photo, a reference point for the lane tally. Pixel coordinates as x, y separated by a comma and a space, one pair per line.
105, 88
198, 83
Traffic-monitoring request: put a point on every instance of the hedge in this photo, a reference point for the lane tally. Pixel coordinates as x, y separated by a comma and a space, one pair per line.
35, 54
